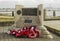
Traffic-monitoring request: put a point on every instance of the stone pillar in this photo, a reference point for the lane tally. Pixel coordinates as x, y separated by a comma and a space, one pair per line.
43, 30
12, 13
54, 13
40, 9
18, 14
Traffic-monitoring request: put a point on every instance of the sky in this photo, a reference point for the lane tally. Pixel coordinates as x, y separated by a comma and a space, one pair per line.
29, 3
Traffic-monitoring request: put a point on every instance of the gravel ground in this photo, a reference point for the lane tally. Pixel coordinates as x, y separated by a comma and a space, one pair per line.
5, 37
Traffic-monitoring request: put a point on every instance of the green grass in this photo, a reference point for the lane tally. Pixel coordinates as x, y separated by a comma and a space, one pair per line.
6, 18
52, 18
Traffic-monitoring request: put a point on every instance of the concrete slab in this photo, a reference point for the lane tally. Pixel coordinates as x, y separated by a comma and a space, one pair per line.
53, 24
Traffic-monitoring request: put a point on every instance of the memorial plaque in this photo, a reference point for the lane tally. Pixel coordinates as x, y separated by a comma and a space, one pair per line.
29, 11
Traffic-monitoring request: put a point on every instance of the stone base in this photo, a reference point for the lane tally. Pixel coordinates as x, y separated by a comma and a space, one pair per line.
45, 33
